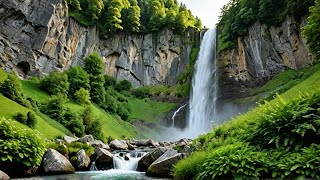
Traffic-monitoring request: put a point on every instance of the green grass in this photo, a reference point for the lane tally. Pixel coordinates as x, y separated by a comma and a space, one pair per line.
112, 125
147, 110
10, 108
3, 75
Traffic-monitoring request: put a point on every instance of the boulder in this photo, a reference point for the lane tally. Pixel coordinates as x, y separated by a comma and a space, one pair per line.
4, 176
69, 139
147, 142
131, 147
103, 159
55, 163
118, 145
149, 158
83, 161
186, 150
163, 166
99, 144
86, 138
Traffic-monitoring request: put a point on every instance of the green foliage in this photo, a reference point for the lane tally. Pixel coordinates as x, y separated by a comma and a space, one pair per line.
312, 30
82, 96
31, 119
109, 81
73, 122
111, 104
55, 108
21, 117
123, 85
140, 93
78, 78
238, 15
11, 88
133, 15
55, 83
74, 147
123, 113
92, 125
61, 148
20, 146
93, 65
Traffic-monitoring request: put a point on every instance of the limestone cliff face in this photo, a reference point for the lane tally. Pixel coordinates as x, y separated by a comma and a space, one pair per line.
263, 53
38, 36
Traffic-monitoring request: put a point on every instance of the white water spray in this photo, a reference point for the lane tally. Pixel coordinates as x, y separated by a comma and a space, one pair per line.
174, 115
127, 161
204, 87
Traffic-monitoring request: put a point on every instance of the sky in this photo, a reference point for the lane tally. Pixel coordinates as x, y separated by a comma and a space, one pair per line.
207, 10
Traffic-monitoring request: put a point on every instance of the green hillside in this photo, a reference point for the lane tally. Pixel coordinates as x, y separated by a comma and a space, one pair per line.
282, 129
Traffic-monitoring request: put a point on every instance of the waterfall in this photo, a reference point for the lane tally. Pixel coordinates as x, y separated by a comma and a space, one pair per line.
204, 87
127, 161
93, 166
175, 113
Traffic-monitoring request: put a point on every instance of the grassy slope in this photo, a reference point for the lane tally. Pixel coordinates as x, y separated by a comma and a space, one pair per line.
148, 110
308, 81
10, 108
112, 125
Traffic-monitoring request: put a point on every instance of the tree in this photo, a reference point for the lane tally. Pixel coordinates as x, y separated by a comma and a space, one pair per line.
158, 15
82, 96
312, 30
74, 5
94, 67
11, 88
95, 8
78, 78
111, 20
124, 85
55, 108
109, 81
55, 83
31, 119
92, 125
131, 17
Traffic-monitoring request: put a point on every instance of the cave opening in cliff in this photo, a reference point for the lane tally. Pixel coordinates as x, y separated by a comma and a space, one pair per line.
24, 67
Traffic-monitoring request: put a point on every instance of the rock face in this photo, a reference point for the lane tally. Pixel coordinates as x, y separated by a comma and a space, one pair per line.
262, 54
4, 176
149, 158
37, 37
55, 163
163, 166
103, 159
82, 161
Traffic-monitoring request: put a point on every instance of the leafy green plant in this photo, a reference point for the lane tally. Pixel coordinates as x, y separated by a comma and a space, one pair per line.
20, 146
74, 147
21, 117
123, 85
123, 113
78, 78
82, 96
31, 119
55, 83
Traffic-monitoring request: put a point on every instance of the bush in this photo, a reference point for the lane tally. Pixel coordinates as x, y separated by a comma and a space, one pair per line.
111, 104
97, 92
11, 88
109, 81
78, 78
140, 93
21, 118
55, 83
123, 113
74, 147
31, 120
92, 125
124, 85
20, 147
61, 148
55, 108
73, 122
82, 96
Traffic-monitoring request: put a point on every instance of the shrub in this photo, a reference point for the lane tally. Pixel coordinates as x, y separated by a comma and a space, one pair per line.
73, 122
93, 64
31, 119
92, 125
78, 78
74, 147
55, 108
97, 92
82, 96
21, 117
140, 93
11, 88
109, 81
111, 104
124, 85
123, 113
55, 83
61, 148
21, 147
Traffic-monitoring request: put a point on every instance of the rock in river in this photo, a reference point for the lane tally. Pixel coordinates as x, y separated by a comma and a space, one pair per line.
149, 158
55, 163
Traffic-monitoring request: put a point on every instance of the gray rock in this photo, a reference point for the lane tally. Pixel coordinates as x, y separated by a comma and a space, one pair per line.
147, 142
86, 138
163, 166
149, 158
55, 163
103, 159
69, 139
118, 145
4, 176
83, 161
186, 150
130, 146
99, 144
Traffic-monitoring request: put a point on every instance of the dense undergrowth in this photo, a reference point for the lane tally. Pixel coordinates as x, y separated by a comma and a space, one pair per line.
278, 139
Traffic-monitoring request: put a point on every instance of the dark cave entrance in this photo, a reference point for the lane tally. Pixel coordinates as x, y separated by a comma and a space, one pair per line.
24, 67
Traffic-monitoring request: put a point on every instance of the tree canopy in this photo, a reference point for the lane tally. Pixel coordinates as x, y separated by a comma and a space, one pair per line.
133, 15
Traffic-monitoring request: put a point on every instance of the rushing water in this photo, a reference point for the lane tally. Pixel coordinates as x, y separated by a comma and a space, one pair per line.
175, 113
204, 87
127, 161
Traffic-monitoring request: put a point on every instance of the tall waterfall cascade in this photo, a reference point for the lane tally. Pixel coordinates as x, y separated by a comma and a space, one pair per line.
203, 96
